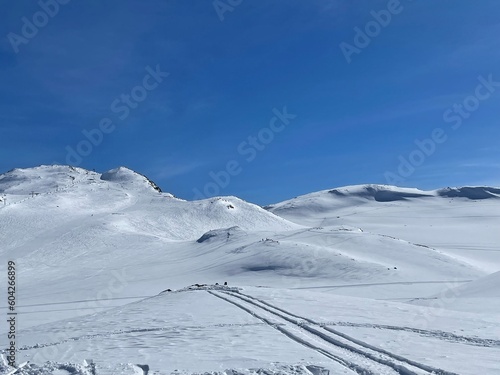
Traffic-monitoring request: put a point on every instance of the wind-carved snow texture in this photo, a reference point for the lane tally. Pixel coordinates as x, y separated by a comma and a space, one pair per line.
139, 369
368, 279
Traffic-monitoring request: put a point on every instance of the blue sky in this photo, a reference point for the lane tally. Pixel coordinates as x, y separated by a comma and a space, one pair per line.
231, 68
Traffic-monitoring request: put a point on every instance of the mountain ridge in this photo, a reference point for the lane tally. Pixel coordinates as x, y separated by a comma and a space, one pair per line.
390, 193
378, 192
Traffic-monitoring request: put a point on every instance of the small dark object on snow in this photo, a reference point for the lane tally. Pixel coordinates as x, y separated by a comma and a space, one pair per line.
395, 268
144, 368
225, 282
216, 283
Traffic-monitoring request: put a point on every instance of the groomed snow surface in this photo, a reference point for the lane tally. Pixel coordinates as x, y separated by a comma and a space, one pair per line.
116, 277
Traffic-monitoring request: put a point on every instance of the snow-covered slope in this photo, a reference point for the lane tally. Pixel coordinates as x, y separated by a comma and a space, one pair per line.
81, 225
269, 330
86, 242
485, 287
119, 222
462, 222
67, 191
481, 295
311, 206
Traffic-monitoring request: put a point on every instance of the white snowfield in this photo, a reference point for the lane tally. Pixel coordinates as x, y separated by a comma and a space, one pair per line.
367, 279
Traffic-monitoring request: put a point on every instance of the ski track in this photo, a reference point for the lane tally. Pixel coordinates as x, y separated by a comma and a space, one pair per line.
440, 335
307, 343
387, 283
359, 351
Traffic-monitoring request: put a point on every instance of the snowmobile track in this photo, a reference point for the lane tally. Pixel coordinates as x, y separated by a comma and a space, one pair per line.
435, 334
360, 357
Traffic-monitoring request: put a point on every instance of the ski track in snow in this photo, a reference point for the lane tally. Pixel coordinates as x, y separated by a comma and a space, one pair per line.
388, 283
363, 358
440, 335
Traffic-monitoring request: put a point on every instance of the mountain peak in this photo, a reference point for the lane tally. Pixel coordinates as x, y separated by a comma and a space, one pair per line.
127, 175
41, 179
46, 178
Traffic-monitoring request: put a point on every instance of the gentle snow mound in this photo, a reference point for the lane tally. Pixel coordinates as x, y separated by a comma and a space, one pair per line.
380, 193
125, 175
219, 233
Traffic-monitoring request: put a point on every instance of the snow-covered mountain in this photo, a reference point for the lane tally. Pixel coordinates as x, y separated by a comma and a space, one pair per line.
381, 276
462, 222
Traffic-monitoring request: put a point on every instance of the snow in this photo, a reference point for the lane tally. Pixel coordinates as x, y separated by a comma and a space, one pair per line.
368, 279
481, 295
485, 287
457, 221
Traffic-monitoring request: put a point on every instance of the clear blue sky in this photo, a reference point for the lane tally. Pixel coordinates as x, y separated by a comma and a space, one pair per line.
231, 68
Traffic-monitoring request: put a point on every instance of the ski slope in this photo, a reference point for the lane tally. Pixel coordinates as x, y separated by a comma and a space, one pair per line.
358, 280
